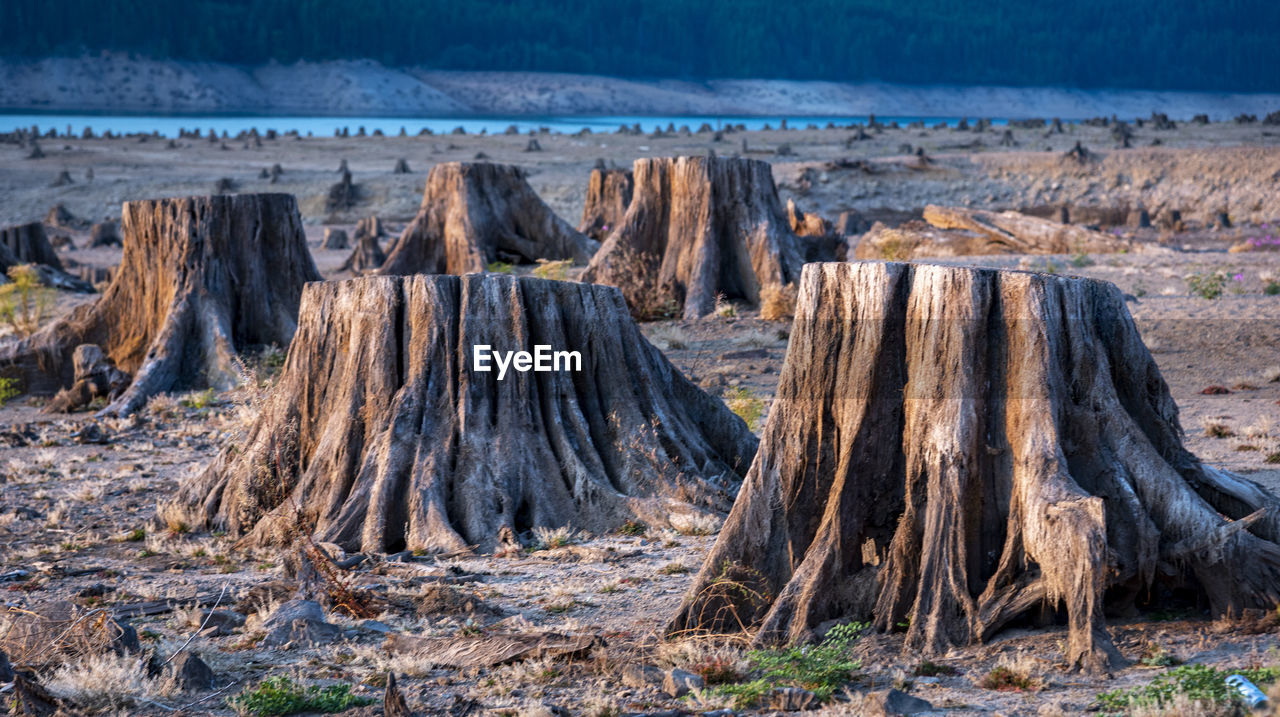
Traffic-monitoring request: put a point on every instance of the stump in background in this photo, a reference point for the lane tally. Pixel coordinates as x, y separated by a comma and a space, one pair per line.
700, 227
608, 196
27, 244
201, 279
380, 435
474, 214
954, 449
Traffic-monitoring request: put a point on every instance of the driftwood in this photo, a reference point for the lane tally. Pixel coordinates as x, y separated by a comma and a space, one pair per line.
474, 214
608, 196
951, 231
201, 278
493, 649
381, 435
700, 227
954, 449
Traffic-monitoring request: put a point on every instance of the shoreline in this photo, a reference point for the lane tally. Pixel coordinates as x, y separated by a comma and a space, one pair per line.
114, 83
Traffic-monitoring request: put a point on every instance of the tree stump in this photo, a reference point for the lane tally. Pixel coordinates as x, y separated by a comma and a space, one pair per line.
702, 227
608, 196
381, 435
474, 214
334, 239
953, 449
201, 278
367, 256
104, 233
28, 244
818, 239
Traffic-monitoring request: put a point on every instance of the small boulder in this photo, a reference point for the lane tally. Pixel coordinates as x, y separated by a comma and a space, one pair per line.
637, 675
892, 703
299, 622
221, 622
191, 673
678, 683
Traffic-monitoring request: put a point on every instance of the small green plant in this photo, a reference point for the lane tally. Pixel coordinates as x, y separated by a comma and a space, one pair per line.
929, 668
674, 569
282, 696
8, 390
1272, 458
24, 301
1080, 260
136, 535
747, 405
1207, 285
724, 309
1199, 683
557, 270
1156, 656
820, 668
499, 267
633, 527
199, 400
1271, 288
1050, 267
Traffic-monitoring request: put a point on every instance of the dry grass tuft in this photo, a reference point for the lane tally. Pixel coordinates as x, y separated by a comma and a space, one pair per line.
108, 681
778, 303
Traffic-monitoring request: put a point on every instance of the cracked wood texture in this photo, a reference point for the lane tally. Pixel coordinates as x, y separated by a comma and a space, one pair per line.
955, 449
201, 279
473, 214
608, 196
705, 226
380, 437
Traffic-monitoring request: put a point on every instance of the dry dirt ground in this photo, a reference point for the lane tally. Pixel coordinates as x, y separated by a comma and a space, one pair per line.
76, 519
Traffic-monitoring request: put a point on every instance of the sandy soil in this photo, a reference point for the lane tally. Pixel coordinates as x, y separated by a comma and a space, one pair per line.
117, 82
76, 516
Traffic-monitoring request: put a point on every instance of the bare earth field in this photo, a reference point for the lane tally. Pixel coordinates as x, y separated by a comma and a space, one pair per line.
76, 521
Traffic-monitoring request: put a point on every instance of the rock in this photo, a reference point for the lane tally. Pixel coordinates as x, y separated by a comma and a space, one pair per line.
375, 626
892, 702
301, 622
791, 699
544, 710
678, 683
221, 622
191, 673
637, 675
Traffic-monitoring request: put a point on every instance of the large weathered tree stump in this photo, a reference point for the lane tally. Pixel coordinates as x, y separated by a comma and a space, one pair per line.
953, 449
474, 214
383, 435
705, 226
608, 196
201, 279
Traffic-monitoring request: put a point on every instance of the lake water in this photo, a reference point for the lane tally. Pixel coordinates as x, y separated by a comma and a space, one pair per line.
168, 125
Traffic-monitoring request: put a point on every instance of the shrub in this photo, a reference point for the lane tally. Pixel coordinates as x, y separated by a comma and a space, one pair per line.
24, 301
747, 405
1196, 683
1007, 677
282, 696
499, 267
820, 668
778, 303
8, 390
557, 270
1207, 285
1271, 288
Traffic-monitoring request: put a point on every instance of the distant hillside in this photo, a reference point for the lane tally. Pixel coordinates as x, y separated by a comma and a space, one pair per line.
116, 82
1224, 45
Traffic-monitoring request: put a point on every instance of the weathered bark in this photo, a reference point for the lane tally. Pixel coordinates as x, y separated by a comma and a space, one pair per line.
608, 196
955, 448
200, 279
27, 244
381, 436
952, 231
473, 214
708, 226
